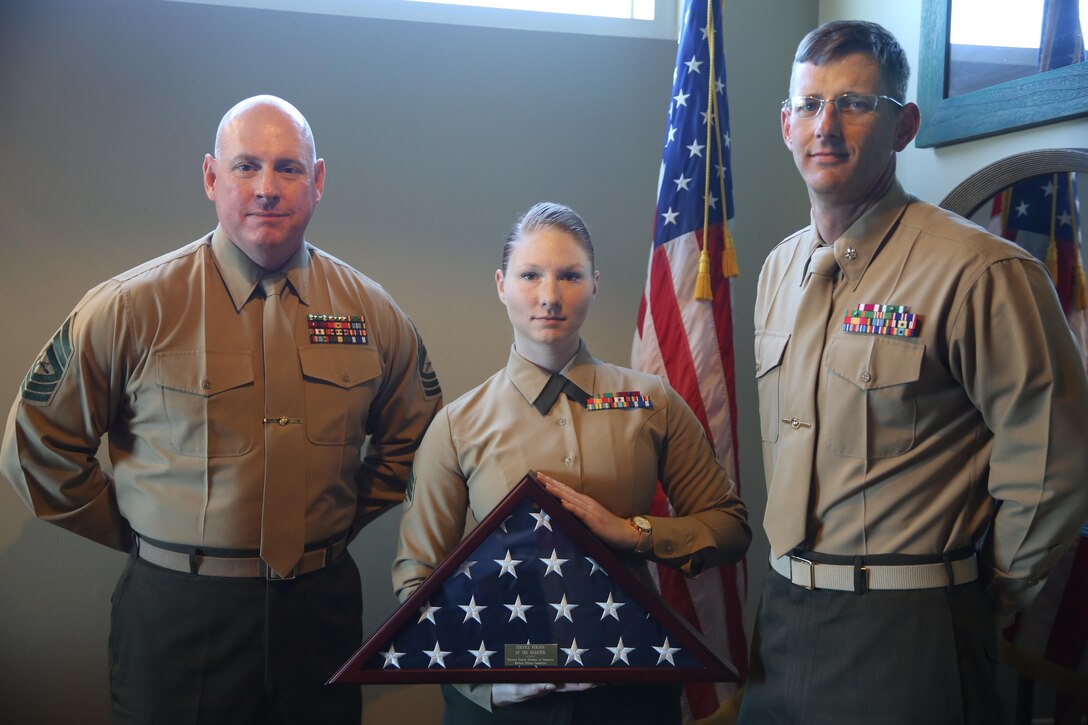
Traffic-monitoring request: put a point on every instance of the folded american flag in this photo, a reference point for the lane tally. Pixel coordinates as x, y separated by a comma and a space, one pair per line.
529, 596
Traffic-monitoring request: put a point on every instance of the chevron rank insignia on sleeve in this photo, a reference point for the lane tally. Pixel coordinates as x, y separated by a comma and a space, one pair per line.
41, 382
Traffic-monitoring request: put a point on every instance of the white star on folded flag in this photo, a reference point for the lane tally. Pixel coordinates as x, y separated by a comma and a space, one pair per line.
472, 610
482, 655
666, 652
562, 609
509, 565
427, 612
610, 608
437, 655
542, 519
518, 610
619, 652
392, 657
555, 564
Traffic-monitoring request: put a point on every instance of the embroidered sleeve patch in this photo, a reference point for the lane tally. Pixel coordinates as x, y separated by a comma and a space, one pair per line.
410, 489
41, 382
872, 319
427, 376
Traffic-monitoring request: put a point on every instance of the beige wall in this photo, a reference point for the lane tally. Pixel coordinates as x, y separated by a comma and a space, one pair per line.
436, 137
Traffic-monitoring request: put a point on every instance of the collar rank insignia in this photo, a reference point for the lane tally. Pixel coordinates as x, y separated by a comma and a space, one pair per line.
894, 320
337, 329
612, 401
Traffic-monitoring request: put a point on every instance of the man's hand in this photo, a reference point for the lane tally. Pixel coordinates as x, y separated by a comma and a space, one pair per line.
613, 530
509, 693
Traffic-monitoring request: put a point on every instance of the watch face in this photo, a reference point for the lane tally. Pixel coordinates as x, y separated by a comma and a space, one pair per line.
642, 523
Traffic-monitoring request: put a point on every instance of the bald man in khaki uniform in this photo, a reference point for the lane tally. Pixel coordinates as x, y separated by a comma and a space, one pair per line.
239, 599
922, 414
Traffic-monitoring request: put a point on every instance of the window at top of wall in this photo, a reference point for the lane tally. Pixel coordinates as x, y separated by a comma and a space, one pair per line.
632, 18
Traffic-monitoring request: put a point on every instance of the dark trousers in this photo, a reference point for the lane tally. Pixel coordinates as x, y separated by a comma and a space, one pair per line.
889, 657
190, 649
603, 705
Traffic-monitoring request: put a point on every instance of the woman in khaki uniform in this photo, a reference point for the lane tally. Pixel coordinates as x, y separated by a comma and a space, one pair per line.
603, 464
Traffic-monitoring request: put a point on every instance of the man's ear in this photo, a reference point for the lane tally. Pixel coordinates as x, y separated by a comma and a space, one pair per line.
500, 285
787, 129
209, 176
319, 179
906, 126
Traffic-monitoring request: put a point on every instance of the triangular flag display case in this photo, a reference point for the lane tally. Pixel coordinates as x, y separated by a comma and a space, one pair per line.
530, 595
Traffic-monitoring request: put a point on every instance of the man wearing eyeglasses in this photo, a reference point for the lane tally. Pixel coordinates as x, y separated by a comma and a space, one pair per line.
921, 409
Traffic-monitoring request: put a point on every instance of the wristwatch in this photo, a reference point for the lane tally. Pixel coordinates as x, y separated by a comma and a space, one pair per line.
645, 530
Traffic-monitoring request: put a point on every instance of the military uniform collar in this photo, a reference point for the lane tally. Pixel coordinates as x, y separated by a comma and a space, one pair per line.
241, 275
859, 244
530, 378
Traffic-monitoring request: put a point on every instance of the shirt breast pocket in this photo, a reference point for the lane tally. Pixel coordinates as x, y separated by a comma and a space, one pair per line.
208, 401
870, 401
340, 386
770, 346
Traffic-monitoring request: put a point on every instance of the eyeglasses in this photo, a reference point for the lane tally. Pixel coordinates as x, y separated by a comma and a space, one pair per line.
848, 104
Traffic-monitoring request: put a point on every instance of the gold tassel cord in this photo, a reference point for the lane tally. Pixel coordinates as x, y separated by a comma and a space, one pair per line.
1080, 287
703, 290
1052, 247
730, 267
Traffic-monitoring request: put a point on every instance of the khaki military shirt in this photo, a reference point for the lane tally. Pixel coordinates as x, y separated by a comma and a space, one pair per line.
166, 359
482, 444
924, 443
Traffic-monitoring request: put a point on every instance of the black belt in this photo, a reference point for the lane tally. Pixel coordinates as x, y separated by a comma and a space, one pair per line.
193, 560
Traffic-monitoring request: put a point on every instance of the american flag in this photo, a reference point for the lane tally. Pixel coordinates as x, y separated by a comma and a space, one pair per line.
531, 596
1050, 637
687, 340
1042, 215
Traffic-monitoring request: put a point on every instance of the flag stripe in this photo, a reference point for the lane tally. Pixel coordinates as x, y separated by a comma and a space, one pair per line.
675, 359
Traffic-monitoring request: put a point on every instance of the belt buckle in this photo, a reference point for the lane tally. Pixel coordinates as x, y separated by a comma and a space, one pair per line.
271, 575
811, 572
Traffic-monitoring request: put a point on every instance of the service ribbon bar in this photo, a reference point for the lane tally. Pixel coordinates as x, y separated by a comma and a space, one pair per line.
893, 320
337, 329
883, 308
614, 401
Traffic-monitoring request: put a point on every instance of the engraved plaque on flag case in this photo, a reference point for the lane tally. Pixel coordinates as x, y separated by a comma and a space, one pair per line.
530, 596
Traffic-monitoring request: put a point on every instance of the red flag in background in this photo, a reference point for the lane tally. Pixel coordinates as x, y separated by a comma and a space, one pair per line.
1048, 642
685, 319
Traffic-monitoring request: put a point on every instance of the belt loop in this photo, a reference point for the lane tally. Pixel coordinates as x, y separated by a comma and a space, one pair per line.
949, 572
330, 549
193, 554
861, 576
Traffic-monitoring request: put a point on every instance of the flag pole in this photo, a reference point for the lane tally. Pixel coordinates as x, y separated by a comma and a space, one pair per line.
702, 279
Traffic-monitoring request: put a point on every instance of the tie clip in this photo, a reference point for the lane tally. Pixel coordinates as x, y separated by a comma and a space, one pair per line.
796, 423
282, 420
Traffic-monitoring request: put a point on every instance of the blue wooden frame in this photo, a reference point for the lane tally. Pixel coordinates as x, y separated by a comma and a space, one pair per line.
1043, 98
